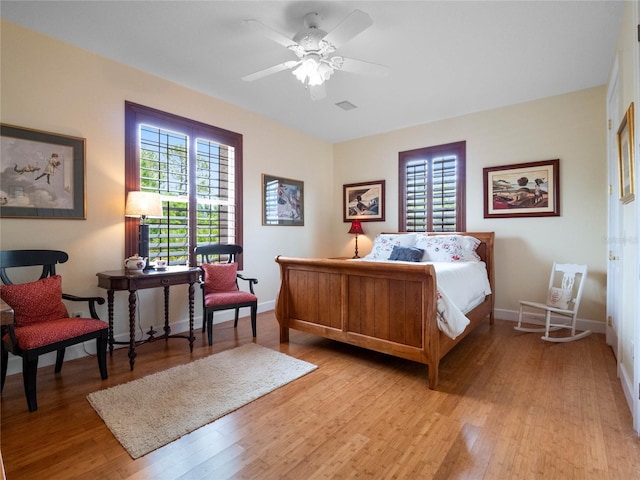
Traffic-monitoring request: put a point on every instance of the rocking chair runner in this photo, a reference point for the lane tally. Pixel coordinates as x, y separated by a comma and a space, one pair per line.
41, 321
220, 286
563, 299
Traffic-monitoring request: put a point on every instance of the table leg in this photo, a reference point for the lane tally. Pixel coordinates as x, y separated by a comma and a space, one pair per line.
167, 328
192, 337
110, 310
132, 327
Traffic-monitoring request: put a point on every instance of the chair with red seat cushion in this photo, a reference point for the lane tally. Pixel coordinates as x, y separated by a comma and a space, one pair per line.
41, 321
220, 285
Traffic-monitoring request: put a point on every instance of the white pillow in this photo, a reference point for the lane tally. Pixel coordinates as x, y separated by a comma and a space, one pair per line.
383, 244
449, 248
559, 298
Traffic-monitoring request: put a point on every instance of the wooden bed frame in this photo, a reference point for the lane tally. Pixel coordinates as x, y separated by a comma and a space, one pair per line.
386, 307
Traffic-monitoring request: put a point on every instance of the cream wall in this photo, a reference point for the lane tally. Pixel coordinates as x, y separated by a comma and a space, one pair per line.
52, 86
568, 127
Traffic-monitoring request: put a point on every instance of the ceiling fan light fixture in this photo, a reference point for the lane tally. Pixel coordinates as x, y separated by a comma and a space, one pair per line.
313, 71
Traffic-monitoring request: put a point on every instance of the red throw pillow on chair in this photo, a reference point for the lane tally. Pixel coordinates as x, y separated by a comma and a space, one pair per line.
37, 301
40, 316
220, 277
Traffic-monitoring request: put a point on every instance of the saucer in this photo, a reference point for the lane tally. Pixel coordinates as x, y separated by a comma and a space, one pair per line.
160, 269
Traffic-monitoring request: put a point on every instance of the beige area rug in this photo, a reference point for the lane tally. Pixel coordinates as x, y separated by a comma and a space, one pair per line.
150, 412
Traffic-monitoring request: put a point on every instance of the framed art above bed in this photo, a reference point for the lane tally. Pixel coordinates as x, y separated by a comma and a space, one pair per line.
522, 190
363, 201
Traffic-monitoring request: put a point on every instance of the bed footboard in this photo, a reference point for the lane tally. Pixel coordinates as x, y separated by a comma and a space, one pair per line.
389, 308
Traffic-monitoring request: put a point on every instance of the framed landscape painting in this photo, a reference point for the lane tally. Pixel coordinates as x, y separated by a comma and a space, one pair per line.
43, 174
522, 190
363, 201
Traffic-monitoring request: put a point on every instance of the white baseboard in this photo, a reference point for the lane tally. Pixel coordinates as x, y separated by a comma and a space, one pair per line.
626, 380
14, 365
581, 324
89, 348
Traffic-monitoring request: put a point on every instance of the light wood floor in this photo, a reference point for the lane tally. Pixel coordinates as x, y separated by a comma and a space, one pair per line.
508, 406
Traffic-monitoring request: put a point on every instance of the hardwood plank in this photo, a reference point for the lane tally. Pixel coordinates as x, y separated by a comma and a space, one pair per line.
508, 406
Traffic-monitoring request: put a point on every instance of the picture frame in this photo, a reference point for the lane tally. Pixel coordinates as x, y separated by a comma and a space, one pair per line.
626, 157
522, 190
364, 201
43, 174
282, 201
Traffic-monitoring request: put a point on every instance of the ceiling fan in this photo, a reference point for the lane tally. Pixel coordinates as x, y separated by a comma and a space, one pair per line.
315, 48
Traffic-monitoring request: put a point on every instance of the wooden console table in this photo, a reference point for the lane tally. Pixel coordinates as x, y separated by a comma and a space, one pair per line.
120, 280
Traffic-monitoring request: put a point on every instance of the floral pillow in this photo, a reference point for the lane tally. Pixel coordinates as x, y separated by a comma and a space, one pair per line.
449, 248
384, 243
219, 277
38, 301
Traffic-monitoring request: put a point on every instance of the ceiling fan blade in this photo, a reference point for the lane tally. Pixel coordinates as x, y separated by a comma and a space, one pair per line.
318, 92
353, 24
364, 68
269, 33
269, 71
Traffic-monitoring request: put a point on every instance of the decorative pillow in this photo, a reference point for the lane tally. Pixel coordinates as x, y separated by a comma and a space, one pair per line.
406, 254
38, 301
384, 243
219, 277
449, 248
559, 298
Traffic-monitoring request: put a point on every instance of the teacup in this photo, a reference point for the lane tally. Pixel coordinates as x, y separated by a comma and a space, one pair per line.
161, 263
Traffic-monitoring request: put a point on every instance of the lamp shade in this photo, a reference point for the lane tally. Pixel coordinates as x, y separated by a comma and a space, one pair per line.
356, 228
143, 204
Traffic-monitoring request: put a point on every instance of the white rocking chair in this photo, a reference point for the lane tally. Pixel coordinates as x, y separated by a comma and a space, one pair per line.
565, 279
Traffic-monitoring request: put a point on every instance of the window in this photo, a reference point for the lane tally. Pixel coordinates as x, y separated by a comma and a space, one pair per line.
196, 169
432, 189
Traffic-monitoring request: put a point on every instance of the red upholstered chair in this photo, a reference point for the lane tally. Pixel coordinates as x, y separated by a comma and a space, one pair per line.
219, 284
41, 321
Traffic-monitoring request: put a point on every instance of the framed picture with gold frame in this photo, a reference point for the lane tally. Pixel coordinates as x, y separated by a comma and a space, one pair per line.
626, 157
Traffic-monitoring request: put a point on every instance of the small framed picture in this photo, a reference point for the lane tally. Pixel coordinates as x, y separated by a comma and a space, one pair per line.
363, 201
43, 174
522, 190
626, 157
282, 201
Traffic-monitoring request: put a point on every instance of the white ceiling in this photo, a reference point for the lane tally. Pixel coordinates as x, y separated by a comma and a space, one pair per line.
447, 58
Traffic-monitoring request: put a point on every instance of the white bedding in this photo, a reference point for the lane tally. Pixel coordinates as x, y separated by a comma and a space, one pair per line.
462, 286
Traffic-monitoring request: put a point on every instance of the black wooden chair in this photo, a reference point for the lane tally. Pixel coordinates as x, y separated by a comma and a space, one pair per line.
41, 323
219, 284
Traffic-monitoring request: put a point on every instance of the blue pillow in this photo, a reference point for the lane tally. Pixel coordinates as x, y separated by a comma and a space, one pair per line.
406, 254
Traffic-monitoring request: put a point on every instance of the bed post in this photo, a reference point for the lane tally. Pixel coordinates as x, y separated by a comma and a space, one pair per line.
431, 333
281, 303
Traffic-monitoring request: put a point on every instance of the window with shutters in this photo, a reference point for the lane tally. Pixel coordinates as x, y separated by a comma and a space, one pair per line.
196, 169
432, 189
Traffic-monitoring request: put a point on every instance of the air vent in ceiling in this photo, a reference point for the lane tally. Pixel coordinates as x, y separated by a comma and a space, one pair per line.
346, 105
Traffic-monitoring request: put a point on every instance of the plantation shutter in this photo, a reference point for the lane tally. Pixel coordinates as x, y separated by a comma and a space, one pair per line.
215, 180
444, 198
416, 200
167, 161
197, 170
431, 189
